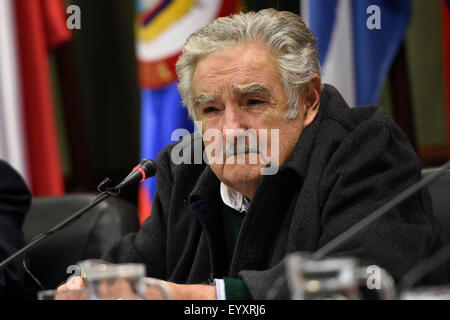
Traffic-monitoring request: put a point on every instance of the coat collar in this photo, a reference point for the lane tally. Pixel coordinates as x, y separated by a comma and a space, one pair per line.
207, 186
298, 162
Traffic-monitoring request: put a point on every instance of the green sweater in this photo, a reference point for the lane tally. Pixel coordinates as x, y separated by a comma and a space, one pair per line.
235, 289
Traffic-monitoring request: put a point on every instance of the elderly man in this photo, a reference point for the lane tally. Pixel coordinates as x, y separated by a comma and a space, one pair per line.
221, 230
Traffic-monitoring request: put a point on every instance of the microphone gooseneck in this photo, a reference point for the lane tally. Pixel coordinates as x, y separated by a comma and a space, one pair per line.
145, 169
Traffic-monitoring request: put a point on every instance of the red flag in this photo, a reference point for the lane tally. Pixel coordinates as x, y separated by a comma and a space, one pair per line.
446, 57
40, 26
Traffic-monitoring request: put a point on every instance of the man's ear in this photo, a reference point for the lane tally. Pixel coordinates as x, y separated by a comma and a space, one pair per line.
310, 99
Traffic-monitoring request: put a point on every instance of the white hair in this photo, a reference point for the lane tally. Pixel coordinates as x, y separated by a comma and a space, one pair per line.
286, 35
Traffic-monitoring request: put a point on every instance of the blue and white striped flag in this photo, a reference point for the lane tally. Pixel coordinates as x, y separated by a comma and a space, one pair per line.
357, 40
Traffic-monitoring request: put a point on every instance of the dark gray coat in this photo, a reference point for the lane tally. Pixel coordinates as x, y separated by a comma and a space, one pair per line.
347, 163
14, 203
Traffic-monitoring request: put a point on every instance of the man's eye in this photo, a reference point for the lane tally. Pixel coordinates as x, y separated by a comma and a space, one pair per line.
209, 109
253, 102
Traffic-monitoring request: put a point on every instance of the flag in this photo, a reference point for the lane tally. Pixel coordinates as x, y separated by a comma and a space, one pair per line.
162, 28
40, 27
445, 4
12, 140
357, 41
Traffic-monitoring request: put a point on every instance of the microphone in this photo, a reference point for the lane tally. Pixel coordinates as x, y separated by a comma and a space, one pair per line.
353, 231
145, 169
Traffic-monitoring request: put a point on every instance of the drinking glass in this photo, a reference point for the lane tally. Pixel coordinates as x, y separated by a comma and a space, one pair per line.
333, 279
106, 281
427, 293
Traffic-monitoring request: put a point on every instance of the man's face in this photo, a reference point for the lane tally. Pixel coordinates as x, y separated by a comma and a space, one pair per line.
238, 89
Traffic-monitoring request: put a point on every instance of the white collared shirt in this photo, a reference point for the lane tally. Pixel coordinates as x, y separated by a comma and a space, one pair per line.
233, 198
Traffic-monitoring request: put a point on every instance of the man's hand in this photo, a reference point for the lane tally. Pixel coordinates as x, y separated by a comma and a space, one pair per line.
178, 291
71, 290
186, 291
73, 283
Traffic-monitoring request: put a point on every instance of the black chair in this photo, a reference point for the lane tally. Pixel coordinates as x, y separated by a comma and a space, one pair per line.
440, 197
87, 238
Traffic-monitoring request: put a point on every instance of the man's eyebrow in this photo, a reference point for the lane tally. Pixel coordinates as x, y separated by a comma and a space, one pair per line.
250, 88
201, 99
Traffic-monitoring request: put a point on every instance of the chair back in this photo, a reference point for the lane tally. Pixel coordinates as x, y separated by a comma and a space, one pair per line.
87, 238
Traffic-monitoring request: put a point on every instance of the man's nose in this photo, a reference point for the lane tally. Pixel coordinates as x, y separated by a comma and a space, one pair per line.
234, 119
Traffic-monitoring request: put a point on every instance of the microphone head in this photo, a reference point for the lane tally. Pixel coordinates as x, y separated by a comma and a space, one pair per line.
149, 167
